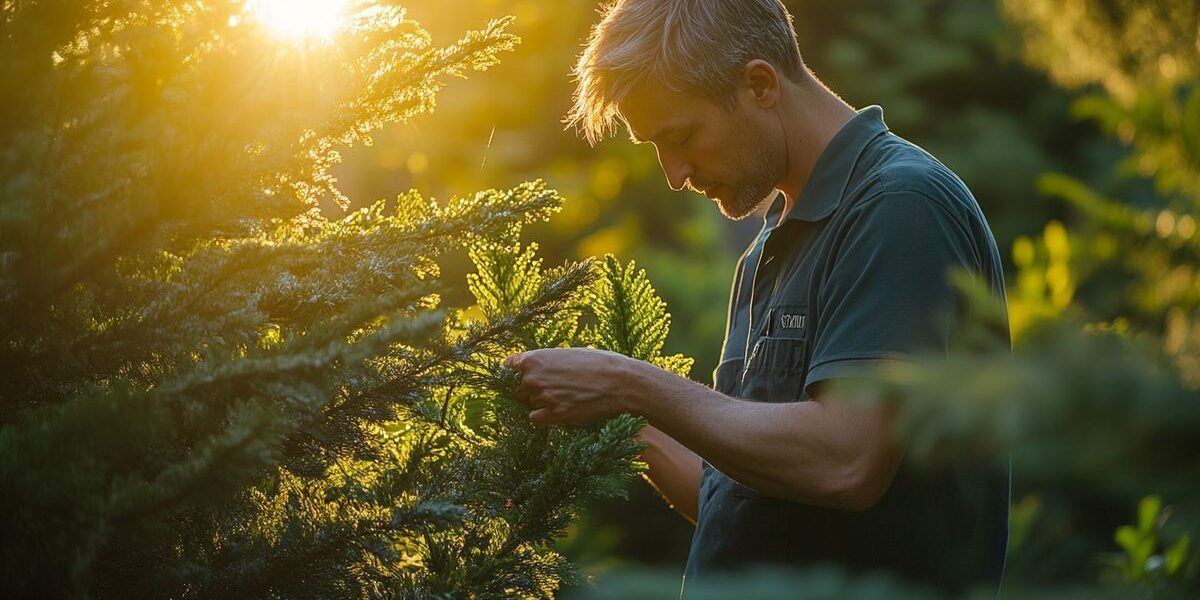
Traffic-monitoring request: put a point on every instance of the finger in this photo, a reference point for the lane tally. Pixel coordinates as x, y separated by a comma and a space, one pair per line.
540, 417
514, 361
528, 397
522, 393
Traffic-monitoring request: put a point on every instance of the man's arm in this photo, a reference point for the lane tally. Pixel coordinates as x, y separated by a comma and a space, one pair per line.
674, 471
828, 452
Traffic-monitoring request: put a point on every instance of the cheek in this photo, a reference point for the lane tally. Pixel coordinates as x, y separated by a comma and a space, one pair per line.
735, 149
758, 158
711, 162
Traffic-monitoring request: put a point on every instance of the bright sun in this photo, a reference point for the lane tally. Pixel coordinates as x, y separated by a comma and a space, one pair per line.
300, 18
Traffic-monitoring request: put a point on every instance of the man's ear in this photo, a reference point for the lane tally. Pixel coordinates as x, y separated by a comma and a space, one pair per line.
761, 79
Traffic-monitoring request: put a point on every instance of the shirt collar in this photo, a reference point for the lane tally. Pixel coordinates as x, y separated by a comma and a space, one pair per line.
830, 176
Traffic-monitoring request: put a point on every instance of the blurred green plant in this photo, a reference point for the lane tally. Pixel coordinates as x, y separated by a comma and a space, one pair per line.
1147, 559
1099, 403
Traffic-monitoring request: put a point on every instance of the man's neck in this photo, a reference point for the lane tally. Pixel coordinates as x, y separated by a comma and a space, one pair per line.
811, 117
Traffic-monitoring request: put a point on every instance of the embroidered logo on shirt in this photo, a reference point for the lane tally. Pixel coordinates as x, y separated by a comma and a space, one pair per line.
791, 321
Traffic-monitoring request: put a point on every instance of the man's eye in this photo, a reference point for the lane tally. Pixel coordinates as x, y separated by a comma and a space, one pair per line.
683, 139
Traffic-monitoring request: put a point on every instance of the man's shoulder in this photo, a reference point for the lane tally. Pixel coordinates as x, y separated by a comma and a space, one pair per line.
900, 171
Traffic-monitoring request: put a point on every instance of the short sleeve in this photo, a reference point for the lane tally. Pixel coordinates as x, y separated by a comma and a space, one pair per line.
888, 293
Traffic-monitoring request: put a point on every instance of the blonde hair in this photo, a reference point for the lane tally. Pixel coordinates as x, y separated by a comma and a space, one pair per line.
693, 46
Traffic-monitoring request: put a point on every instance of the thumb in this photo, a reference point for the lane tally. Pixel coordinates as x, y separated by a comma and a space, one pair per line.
540, 417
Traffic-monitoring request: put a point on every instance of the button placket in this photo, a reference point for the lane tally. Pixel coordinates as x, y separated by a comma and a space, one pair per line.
765, 270
775, 352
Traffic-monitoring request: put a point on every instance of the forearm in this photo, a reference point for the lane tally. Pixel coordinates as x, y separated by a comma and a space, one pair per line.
674, 471
825, 452
822, 453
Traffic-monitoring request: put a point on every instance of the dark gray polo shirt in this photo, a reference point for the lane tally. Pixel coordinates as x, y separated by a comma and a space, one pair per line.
854, 276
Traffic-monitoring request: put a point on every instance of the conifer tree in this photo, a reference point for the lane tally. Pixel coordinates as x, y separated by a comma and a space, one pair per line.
211, 389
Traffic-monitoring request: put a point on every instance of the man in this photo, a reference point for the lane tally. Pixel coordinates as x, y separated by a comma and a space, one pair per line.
773, 464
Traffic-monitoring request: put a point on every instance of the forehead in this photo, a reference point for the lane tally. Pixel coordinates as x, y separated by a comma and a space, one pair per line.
652, 108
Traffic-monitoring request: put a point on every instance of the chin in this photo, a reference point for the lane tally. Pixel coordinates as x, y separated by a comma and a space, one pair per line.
743, 205
733, 213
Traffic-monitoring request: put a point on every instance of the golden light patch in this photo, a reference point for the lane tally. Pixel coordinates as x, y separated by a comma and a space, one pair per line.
299, 19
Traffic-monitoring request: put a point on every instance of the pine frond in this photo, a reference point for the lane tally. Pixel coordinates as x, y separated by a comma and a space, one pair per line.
632, 319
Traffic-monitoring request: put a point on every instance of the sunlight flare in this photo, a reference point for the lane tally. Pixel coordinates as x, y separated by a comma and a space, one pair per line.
297, 19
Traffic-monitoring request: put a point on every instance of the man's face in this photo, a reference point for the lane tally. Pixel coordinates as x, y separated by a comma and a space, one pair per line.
733, 157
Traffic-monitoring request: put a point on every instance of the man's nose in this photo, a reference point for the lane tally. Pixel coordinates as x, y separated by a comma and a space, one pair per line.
676, 169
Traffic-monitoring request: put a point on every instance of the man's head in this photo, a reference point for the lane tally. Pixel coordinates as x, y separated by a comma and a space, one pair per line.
701, 80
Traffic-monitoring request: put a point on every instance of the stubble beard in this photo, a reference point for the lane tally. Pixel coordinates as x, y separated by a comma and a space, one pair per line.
746, 201
753, 191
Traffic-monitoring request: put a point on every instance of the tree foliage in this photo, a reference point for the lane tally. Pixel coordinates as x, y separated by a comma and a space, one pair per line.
215, 383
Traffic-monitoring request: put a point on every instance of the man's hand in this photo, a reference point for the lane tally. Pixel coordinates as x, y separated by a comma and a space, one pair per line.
571, 385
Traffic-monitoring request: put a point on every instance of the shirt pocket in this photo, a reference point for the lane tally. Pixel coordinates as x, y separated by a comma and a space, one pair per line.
776, 365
